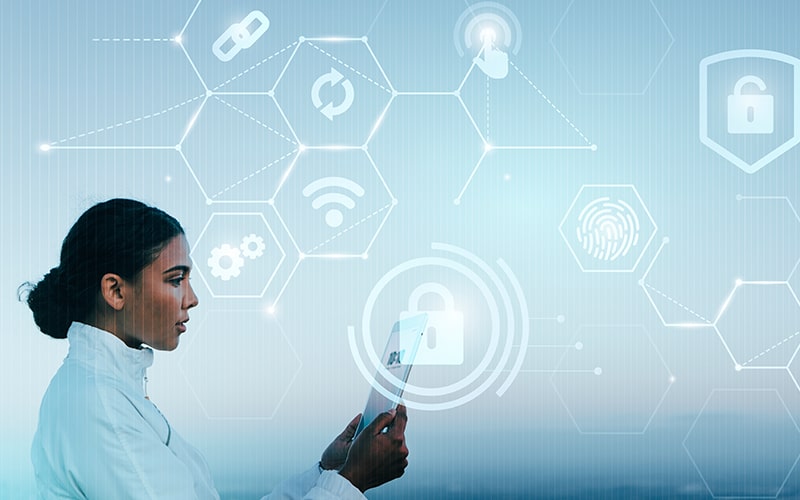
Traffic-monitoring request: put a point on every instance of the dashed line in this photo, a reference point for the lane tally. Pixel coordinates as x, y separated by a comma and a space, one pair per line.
790, 337
677, 303
251, 68
256, 120
373, 214
550, 103
255, 173
365, 77
133, 39
128, 122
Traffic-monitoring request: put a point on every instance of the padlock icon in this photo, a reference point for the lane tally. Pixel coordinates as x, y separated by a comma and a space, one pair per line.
750, 113
443, 340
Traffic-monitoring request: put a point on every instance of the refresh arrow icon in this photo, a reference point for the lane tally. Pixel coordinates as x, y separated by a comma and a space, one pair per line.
332, 78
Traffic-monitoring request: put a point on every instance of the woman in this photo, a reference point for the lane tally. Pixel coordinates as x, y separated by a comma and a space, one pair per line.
122, 287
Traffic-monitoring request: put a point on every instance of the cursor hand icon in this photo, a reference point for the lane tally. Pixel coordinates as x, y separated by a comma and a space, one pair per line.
494, 62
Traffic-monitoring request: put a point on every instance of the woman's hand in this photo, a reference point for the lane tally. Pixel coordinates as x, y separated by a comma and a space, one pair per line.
336, 453
377, 457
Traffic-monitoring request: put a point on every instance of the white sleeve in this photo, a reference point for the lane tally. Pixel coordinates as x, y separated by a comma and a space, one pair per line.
311, 485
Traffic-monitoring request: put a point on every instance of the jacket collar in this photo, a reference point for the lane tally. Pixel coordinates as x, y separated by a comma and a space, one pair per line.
108, 354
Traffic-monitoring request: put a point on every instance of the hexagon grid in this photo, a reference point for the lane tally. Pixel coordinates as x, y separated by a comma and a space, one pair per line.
622, 56
608, 390
239, 148
760, 451
607, 228
266, 364
333, 202
759, 324
237, 255
333, 92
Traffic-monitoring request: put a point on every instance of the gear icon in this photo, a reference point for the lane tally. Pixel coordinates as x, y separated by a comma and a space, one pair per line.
232, 259
248, 244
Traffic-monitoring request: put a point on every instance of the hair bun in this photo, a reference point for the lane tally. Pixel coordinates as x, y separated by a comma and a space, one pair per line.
51, 306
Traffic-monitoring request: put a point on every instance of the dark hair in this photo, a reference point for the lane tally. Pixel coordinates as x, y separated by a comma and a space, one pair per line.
116, 236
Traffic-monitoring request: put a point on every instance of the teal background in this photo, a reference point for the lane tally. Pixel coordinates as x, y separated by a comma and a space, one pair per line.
608, 66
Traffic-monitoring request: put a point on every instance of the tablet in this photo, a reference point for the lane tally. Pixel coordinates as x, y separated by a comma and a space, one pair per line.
397, 359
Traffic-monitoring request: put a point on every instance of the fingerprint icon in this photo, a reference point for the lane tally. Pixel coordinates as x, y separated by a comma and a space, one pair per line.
607, 229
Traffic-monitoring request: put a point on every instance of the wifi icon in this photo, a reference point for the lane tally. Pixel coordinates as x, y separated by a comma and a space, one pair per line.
335, 201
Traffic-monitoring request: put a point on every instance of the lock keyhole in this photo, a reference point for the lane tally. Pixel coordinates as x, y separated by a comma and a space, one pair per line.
431, 334
751, 114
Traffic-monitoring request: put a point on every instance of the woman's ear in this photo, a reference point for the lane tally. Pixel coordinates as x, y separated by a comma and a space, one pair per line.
113, 290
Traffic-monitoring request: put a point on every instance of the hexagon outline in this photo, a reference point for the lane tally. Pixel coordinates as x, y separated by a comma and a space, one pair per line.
703, 108
691, 429
652, 76
644, 247
274, 239
301, 40
671, 380
365, 252
726, 303
288, 385
643, 285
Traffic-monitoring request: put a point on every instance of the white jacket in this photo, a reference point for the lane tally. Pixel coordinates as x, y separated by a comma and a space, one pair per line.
100, 437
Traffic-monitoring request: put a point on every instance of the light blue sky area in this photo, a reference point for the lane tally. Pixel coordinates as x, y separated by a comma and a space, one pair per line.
105, 85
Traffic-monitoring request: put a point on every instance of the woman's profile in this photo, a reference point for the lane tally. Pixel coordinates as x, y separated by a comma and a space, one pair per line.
120, 291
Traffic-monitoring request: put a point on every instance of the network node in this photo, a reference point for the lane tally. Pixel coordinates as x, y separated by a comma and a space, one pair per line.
487, 147
739, 197
301, 256
598, 371
395, 201
738, 367
364, 256
271, 310
168, 179
301, 147
178, 39
301, 39
271, 93
560, 318
594, 147
209, 92
672, 379
739, 282
578, 346
271, 202
44, 147
364, 39
209, 201
665, 240
457, 201
507, 177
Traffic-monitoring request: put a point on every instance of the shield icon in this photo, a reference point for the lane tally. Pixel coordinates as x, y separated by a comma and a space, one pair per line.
750, 106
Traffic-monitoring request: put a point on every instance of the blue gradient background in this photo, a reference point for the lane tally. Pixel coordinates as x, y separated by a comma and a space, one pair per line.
57, 82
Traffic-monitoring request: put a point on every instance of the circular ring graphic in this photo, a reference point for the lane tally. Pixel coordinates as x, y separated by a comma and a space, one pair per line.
492, 304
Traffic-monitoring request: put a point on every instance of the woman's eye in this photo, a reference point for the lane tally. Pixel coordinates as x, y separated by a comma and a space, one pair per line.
177, 281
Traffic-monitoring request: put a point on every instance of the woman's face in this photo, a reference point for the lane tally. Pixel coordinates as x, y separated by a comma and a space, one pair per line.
162, 297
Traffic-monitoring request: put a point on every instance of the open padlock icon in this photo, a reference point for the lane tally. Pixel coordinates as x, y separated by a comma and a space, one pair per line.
750, 113
443, 339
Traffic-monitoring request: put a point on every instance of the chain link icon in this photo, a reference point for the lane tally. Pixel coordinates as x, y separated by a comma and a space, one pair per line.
240, 36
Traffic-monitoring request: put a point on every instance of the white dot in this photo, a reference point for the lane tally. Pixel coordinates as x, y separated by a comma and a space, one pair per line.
641, 282
594, 147
578, 346
364, 256
598, 371
487, 147
738, 367
672, 379
271, 310
334, 218
560, 318
301, 256
665, 239
44, 147
739, 282
738, 197
178, 39
168, 179
457, 201
507, 177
